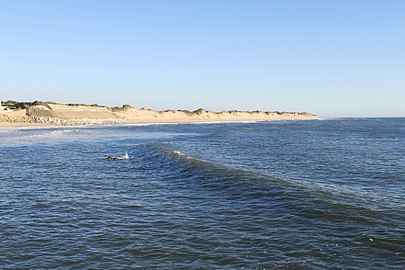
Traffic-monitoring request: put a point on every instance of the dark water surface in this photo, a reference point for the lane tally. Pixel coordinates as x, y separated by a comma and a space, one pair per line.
270, 195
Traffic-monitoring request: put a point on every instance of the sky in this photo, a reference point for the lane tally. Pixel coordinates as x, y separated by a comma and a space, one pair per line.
331, 58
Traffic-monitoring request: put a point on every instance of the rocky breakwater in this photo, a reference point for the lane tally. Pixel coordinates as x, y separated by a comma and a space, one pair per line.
65, 115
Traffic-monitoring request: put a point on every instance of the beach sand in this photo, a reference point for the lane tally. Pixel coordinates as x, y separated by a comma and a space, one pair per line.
17, 118
151, 116
130, 115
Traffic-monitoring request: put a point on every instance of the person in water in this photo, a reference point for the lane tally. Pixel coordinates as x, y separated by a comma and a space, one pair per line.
126, 156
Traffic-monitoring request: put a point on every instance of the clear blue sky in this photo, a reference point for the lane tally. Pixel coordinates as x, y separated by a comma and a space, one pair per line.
332, 58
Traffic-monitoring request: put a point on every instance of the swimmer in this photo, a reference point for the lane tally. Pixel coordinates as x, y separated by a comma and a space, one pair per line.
124, 157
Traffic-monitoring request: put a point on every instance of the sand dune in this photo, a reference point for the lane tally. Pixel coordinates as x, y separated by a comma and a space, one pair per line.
51, 114
133, 115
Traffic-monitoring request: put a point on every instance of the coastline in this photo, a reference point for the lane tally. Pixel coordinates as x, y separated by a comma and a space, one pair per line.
23, 125
62, 115
143, 122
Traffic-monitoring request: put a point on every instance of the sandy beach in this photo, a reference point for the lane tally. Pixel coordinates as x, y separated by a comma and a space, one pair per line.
63, 115
17, 118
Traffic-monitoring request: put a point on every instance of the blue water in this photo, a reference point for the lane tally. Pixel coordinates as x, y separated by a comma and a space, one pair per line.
269, 195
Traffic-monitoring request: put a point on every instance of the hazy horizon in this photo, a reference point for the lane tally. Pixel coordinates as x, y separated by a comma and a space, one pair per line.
333, 59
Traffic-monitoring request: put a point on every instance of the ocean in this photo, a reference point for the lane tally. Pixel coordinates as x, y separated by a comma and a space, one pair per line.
324, 194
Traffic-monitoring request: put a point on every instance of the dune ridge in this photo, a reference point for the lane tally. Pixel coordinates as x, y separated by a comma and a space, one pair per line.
68, 115
133, 115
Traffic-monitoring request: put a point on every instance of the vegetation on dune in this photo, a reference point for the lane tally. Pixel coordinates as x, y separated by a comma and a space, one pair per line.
23, 105
80, 104
199, 111
124, 108
187, 112
17, 104
73, 104
8, 103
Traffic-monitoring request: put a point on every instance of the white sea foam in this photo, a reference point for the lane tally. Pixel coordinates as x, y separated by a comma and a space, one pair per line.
33, 135
179, 153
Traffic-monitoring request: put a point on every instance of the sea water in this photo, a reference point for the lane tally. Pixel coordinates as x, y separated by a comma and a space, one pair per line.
268, 195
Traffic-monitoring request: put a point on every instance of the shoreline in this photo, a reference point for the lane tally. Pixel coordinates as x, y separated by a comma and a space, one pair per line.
4, 125
51, 115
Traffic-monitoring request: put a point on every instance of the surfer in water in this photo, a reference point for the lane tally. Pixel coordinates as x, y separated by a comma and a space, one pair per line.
124, 157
